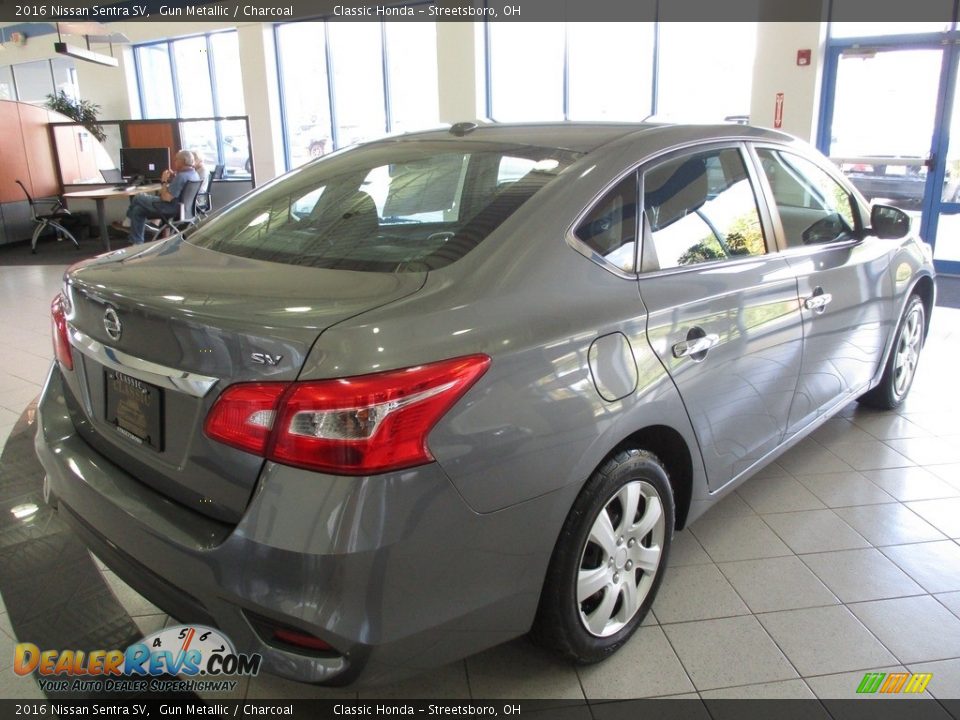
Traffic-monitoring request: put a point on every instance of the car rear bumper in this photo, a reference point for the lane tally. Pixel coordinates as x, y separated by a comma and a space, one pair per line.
395, 572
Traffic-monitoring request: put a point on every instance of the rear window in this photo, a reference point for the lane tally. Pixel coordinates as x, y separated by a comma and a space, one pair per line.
390, 207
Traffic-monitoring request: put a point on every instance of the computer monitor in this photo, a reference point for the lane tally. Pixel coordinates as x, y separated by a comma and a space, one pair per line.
146, 163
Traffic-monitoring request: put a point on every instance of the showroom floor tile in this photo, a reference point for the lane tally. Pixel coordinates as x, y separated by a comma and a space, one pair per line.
913, 483
935, 565
889, 524
836, 560
650, 668
934, 631
825, 640
811, 531
838, 490
783, 583
727, 652
858, 575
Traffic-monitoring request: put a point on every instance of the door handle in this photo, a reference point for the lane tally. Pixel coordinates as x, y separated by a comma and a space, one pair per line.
695, 346
818, 303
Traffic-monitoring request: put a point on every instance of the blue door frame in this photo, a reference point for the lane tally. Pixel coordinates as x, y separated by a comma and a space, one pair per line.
949, 44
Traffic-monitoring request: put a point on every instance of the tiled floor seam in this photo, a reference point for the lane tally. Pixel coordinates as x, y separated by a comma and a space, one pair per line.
780, 537
680, 660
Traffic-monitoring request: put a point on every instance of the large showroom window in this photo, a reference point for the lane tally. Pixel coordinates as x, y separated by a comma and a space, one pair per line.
569, 71
31, 82
619, 71
342, 83
695, 64
198, 77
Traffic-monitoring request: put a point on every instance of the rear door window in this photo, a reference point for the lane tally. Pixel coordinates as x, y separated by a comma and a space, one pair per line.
700, 207
813, 207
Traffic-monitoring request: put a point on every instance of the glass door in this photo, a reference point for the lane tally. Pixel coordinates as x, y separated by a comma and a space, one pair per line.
886, 122
944, 222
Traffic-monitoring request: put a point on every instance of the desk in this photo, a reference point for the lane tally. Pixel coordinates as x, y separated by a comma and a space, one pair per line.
101, 195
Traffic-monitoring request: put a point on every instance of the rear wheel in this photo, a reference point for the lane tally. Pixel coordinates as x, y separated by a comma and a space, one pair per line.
609, 559
901, 366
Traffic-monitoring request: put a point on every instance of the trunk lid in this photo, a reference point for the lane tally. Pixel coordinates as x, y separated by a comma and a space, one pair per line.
191, 322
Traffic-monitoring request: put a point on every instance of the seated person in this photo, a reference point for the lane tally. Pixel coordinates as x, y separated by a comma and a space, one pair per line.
200, 168
146, 205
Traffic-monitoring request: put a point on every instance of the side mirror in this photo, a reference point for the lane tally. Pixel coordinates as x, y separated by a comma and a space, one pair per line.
888, 222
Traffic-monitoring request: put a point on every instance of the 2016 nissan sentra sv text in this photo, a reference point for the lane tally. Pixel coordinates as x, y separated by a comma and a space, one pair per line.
430, 393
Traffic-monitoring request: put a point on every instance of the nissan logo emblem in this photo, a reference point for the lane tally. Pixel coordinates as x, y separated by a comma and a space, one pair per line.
111, 323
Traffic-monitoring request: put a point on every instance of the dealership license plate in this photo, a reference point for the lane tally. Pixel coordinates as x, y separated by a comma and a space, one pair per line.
135, 409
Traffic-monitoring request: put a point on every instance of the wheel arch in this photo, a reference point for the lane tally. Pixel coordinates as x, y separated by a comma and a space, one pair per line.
672, 450
925, 288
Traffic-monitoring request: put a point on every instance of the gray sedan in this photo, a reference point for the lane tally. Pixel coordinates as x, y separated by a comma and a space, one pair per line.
428, 394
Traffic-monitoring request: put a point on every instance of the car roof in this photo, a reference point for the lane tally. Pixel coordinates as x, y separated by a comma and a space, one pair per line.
585, 137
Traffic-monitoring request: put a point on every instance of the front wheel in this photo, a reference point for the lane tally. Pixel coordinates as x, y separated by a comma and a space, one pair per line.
609, 560
901, 366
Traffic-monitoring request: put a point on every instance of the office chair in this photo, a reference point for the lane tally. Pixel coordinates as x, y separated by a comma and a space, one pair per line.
51, 219
186, 213
204, 198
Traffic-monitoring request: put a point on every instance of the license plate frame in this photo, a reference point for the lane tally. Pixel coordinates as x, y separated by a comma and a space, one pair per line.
134, 408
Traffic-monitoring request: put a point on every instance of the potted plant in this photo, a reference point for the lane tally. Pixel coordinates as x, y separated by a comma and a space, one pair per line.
81, 111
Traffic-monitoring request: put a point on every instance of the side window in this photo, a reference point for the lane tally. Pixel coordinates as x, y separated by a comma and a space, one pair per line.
814, 208
701, 208
610, 228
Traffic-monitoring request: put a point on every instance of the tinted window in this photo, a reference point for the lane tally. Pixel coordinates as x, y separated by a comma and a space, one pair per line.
397, 207
701, 208
610, 228
814, 208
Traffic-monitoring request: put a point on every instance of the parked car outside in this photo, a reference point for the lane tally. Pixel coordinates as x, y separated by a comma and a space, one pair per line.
901, 180
420, 397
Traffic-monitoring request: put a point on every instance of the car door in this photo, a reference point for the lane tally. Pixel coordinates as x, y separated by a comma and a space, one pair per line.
844, 283
723, 309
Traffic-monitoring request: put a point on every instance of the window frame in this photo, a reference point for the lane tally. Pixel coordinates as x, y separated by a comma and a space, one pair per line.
650, 267
857, 206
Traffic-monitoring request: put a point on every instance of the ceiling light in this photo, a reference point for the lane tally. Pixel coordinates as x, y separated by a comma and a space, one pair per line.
81, 54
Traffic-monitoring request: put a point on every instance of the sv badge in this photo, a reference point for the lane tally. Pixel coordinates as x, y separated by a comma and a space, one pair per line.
266, 359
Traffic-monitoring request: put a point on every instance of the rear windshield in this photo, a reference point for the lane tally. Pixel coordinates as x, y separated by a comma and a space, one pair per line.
386, 207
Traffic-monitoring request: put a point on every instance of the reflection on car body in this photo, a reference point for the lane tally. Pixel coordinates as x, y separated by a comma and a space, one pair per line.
507, 364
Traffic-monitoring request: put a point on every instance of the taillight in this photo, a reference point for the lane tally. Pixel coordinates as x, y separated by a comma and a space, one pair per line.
348, 426
243, 415
61, 337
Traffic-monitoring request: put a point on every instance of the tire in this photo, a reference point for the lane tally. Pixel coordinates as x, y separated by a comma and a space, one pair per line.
587, 610
901, 367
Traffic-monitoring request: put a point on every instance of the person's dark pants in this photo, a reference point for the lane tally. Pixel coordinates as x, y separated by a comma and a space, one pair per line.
143, 207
